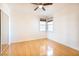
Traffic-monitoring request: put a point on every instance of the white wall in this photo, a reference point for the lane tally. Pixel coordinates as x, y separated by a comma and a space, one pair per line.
66, 25
25, 27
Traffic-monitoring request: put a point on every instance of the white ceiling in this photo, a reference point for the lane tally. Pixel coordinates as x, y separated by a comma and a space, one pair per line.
28, 8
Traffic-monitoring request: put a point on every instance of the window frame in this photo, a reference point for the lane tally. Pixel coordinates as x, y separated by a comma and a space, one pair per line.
43, 20
46, 25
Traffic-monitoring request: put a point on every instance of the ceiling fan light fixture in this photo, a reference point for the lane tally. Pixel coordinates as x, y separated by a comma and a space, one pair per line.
40, 6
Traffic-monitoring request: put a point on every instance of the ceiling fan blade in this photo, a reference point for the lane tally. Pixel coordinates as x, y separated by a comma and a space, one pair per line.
35, 8
43, 8
47, 4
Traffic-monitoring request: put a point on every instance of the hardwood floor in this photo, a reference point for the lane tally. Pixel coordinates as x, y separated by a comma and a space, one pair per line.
29, 48
41, 47
62, 50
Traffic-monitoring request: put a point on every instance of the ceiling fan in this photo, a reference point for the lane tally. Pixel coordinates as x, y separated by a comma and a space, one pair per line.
41, 5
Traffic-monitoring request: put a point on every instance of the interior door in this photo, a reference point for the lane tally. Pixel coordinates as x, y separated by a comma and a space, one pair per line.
4, 33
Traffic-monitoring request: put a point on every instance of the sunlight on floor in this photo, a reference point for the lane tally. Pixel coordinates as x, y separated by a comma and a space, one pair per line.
46, 50
49, 51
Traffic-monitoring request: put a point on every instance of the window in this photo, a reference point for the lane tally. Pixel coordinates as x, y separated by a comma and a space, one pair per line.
50, 26
42, 26
46, 25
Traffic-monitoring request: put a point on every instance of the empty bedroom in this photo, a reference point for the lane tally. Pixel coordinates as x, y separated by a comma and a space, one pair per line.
39, 29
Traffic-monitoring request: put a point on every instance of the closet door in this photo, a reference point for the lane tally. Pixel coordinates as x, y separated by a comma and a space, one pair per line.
4, 33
